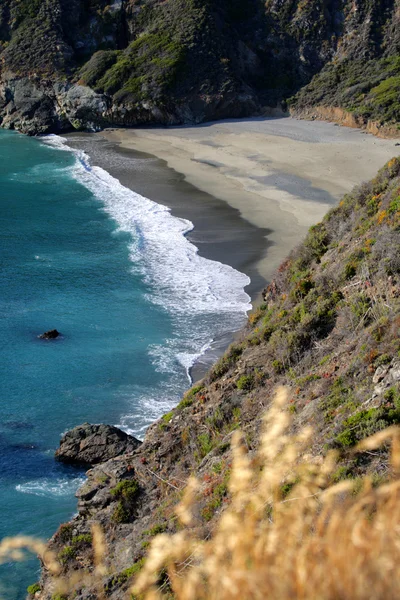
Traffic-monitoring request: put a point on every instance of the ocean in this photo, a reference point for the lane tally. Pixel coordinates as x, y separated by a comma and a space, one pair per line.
136, 305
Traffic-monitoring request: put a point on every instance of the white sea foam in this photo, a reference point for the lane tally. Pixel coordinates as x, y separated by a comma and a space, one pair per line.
181, 280
149, 406
205, 298
51, 488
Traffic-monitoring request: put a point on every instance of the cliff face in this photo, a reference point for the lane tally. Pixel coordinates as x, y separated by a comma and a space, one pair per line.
329, 330
86, 64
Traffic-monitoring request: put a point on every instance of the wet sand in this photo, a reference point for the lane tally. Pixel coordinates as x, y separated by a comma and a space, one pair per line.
220, 233
251, 187
282, 174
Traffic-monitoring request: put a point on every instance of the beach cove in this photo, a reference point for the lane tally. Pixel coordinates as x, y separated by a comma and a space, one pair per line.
281, 174
242, 192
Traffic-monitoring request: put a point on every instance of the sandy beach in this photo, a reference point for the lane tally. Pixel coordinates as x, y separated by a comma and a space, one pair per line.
281, 174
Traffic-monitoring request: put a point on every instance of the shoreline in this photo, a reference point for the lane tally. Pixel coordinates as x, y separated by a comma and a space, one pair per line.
251, 187
281, 174
219, 232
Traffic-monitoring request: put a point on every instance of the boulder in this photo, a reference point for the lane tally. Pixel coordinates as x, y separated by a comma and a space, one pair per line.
380, 373
49, 335
88, 445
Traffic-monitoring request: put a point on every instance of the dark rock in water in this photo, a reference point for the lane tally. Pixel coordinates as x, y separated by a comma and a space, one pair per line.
50, 335
93, 444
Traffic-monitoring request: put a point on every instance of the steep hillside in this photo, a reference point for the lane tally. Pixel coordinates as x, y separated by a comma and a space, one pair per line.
86, 64
329, 330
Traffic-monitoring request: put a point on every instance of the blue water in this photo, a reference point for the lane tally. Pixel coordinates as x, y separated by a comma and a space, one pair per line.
135, 304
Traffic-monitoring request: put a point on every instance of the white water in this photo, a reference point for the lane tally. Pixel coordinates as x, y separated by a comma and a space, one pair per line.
205, 298
50, 487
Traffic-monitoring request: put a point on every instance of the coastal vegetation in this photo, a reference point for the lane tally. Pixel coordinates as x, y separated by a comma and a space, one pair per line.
85, 65
307, 479
308, 532
312, 470
370, 90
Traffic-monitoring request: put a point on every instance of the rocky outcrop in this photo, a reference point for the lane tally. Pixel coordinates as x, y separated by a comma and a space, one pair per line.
36, 106
49, 335
92, 444
70, 64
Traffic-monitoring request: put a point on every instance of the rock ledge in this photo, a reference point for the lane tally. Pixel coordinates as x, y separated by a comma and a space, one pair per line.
88, 444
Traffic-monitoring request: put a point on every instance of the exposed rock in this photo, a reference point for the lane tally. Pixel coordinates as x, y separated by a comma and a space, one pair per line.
52, 334
380, 373
92, 444
70, 64
385, 376
395, 371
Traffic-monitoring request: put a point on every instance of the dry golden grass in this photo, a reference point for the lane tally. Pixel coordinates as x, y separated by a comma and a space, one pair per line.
318, 541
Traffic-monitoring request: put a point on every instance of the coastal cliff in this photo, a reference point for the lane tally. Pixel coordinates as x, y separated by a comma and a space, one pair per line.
70, 64
328, 330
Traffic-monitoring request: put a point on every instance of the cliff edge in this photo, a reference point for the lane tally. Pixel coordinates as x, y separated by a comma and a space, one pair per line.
329, 330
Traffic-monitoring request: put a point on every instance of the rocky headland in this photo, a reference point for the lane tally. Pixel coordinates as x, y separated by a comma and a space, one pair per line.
328, 329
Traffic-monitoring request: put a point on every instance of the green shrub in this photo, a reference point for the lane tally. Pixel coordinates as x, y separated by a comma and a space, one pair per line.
121, 514
307, 378
85, 539
165, 419
127, 574
189, 397
393, 395
126, 489
369, 89
366, 423
278, 366
325, 359
383, 359
147, 68
66, 554
32, 589
205, 444
373, 205
339, 395
226, 362
350, 269
386, 96
133, 570
217, 467
218, 494
317, 241
97, 66
303, 287
64, 533
156, 529
216, 420
360, 306
245, 382
27, 9
340, 474
394, 206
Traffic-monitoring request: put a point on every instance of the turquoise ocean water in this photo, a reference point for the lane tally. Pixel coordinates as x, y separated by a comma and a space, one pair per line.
136, 305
